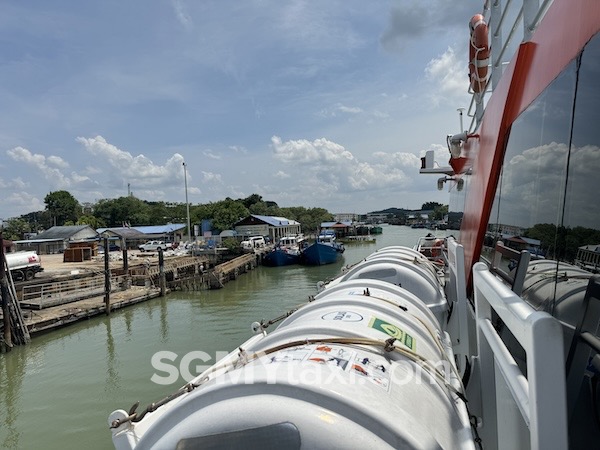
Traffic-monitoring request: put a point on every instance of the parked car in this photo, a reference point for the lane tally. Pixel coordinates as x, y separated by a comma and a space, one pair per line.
154, 246
253, 242
111, 248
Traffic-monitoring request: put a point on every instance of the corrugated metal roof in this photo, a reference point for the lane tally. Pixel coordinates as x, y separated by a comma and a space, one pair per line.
160, 229
336, 224
125, 232
61, 232
276, 221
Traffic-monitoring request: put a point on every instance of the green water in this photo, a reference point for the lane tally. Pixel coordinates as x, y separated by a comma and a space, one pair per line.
57, 392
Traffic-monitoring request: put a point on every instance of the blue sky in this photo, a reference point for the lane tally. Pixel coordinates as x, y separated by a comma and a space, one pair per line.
306, 103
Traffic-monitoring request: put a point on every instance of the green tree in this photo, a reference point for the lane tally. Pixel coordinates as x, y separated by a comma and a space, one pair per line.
38, 220
430, 206
547, 235
15, 229
310, 219
251, 200
91, 220
122, 210
439, 212
63, 207
227, 212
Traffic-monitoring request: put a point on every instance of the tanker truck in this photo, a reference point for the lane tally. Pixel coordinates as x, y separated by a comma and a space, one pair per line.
23, 265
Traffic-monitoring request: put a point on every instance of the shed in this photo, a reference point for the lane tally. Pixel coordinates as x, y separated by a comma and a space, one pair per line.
57, 239
271, 226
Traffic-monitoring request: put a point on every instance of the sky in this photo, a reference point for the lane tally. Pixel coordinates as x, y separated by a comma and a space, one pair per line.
308, 103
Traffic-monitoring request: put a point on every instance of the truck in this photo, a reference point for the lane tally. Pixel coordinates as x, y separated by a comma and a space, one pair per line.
23, 265
154, 246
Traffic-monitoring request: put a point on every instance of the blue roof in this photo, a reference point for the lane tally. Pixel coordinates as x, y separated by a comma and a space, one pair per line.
276, 221
158, 229
151, 229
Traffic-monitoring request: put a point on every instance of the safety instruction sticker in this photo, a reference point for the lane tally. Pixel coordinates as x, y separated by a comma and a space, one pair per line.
364, 365
374, 369
333, 355
393, 331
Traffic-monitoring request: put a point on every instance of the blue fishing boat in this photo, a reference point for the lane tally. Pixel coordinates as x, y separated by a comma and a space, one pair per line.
325, 250
286, 252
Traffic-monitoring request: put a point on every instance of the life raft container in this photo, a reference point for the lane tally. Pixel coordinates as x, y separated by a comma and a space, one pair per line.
479, 53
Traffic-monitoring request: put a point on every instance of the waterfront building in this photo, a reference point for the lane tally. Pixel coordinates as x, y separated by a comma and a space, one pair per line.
270, 226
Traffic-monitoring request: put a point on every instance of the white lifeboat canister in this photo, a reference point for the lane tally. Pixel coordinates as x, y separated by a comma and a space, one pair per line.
364, 365
417, 276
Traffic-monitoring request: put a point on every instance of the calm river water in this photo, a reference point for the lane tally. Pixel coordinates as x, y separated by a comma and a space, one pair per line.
57, 392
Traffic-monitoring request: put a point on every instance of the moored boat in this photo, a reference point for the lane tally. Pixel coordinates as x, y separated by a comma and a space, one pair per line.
377, 229
286, 252
325, 250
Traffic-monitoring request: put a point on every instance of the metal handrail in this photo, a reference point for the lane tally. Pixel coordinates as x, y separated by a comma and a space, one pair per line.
541, 396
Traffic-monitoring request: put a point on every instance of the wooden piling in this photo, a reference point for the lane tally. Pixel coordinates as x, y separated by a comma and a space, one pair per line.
106, 278
4, 293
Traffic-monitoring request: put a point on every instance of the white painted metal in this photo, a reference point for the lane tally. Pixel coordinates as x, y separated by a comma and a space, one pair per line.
541, 398
456, 291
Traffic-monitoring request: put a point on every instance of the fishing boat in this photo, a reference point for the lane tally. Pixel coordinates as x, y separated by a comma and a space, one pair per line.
376, 229
494, 349
286, 252
325, 250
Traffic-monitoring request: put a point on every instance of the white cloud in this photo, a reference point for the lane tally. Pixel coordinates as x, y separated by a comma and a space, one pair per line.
57, 161
448, 77
214, 83
25, 202
328, 169
137, 170
211, 155
238, 149
350, 109
53, 175
209, 177
532, 186
304, 151
181, 14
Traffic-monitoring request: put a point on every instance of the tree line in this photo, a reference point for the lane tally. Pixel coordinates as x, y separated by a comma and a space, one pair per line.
64, 209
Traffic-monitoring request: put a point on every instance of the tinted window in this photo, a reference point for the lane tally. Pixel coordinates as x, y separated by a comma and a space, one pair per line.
546, 198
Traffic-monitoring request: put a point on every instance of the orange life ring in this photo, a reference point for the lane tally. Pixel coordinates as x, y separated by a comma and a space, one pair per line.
479, 53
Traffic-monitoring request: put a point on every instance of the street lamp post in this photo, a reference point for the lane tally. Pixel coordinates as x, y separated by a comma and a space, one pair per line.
187, 205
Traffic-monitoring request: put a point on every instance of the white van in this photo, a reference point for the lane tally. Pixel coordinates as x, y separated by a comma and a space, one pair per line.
253, 242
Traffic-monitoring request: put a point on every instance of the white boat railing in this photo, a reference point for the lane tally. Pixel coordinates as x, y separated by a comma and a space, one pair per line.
539, 397
510, 22
457, 294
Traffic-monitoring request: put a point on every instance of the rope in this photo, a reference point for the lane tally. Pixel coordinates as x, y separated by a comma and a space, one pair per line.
388, 346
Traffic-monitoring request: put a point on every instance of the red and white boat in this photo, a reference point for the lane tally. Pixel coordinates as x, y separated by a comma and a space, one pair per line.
492, 349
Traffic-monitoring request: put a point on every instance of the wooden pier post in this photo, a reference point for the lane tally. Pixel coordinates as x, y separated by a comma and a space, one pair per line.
4, 293
124, 250
161, 271
106, 279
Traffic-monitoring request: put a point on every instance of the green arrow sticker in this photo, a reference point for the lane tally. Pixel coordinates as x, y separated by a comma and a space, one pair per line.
393, 331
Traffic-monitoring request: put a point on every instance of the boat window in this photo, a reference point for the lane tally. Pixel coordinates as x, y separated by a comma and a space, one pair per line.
528, 201
579, 237
277, 436
546, 198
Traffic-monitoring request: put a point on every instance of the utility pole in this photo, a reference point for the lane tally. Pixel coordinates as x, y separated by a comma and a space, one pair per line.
187, 205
